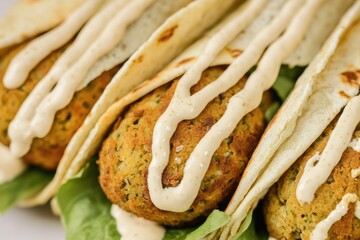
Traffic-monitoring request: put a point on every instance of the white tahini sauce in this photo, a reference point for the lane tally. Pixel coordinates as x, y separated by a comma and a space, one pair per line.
10, 166
355, 144
357, 210
91, 30
321, 230
315, 175
132, 227
55, 92
179, 148
183, 106
355, 172
21, 66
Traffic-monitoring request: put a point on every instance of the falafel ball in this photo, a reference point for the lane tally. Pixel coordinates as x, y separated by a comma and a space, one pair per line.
126, 154
47, 152
287, 219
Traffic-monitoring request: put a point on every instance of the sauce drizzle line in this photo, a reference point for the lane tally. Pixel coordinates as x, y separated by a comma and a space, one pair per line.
71, 81
183, 106
316, 173
21, 66
321, 230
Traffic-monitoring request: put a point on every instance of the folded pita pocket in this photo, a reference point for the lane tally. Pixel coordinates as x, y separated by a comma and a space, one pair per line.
311, 40
165, 43
319, 96
82, 41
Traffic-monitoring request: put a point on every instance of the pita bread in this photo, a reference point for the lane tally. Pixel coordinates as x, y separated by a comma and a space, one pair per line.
88, 146
29, 18
175, 34
316, 100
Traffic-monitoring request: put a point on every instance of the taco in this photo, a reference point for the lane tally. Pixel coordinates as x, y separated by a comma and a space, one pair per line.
174, 148
308, 176
51, 76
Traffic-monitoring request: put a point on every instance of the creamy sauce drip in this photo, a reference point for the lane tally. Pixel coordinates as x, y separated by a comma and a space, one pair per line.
321, 230
21, 122
355, 172
21, 66
355, 144
132, 227
10, 166
357, 210
316, 173
183, 106
57, 89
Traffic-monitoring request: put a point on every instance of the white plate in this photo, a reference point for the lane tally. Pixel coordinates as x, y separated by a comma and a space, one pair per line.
29, 224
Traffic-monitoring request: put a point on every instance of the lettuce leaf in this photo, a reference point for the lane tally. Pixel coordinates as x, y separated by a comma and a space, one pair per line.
285, 82
85, 211
26, 184
177, 234
286, 79
253, 227
244, 227
271, 111
214, 221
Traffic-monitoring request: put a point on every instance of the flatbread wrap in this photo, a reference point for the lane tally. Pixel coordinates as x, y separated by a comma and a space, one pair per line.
52, 74
174, 148
22, 21
308, 177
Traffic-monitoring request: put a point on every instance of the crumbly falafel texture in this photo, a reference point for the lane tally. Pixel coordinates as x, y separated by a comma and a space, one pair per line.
126, 153
287, 219
46, 152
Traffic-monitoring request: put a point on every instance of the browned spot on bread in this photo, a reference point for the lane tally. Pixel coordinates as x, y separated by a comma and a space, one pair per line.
344, 94
167, 34
234, 52
186, 60
139, 59
351, 77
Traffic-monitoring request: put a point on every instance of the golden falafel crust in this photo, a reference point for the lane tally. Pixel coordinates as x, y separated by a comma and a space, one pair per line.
47, 152
287, 219
126, 154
